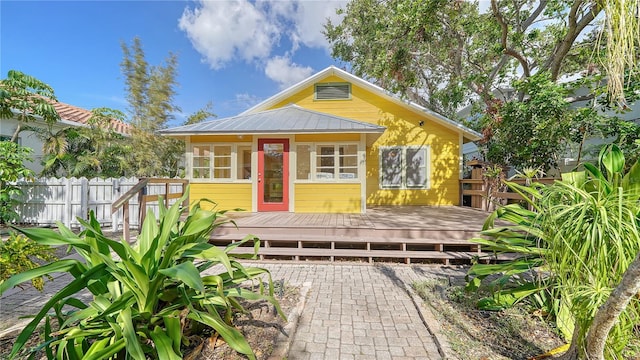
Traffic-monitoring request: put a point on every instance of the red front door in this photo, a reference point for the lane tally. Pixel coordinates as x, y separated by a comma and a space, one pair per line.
273, 175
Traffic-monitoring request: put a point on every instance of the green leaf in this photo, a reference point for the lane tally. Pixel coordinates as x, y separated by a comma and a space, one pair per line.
163, 345
187, 273
72, 288
612, 159
232, 336
174, 330
64, 265
131, 341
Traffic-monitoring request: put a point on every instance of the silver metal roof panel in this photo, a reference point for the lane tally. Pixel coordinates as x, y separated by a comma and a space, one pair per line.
288, 119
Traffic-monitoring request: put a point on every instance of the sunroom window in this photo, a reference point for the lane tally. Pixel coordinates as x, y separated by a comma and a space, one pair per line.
221, 162
201, 162
404, 167
327, 162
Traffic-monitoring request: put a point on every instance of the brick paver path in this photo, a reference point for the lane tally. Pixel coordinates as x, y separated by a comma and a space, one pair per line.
352, 311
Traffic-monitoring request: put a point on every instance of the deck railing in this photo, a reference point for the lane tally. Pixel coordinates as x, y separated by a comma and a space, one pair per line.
140, 189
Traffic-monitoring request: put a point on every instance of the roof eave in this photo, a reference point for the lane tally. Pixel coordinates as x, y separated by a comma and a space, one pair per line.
279, 132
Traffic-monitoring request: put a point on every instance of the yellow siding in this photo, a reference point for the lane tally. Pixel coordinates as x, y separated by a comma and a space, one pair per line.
327, 137
327, 198
228, 196
402, 129
220, 138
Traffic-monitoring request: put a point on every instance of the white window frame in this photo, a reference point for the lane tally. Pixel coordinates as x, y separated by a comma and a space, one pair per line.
234, 163
403, 167
313, 162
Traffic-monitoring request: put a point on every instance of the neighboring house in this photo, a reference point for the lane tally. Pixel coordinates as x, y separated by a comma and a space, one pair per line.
331, 143
69, 116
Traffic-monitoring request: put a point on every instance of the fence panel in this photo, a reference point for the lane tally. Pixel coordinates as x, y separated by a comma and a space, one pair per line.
46, 201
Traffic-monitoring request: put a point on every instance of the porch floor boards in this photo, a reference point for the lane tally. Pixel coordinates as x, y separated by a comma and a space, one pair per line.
408, 233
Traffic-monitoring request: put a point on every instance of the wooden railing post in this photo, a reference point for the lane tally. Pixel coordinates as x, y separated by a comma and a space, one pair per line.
141, 190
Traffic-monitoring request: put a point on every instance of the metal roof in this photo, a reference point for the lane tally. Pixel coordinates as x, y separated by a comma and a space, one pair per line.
288, 119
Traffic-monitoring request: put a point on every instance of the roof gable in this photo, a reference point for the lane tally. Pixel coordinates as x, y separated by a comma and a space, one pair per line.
334, 71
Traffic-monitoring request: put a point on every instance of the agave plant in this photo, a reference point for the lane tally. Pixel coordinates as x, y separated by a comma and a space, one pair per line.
572, 248
149, 298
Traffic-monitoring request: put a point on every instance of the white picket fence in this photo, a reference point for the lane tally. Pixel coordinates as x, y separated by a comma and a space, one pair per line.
46, 201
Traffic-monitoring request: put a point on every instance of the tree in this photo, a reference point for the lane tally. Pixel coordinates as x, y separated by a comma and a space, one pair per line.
26, 98
151, 92
445, 54
201, 115
96, 150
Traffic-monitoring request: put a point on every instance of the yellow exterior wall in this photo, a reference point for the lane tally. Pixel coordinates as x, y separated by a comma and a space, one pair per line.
402, 129
220, 138
327, 137
327, 198
228, 196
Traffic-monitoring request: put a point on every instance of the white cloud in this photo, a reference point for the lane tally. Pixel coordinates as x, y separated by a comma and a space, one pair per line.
246, 100
286, 73
223, 31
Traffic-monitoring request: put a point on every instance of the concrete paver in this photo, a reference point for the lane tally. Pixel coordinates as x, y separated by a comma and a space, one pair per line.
353, 311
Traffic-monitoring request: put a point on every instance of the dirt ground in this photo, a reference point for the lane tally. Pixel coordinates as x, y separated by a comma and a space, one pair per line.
486, 335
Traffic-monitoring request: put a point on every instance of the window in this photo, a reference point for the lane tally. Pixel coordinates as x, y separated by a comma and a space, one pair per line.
303, 162
221, 162
326, 162
201, 162
404, 167
243, 159
333, 91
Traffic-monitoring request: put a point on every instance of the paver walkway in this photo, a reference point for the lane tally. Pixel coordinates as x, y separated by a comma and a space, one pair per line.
352, 311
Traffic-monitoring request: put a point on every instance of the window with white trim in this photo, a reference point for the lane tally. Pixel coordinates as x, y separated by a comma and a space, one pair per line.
221, 162
404, 167
327, 162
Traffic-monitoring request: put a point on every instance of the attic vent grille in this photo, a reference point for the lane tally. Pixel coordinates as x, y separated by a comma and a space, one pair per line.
333, 91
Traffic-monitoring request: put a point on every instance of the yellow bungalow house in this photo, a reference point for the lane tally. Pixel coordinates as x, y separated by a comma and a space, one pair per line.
332, 143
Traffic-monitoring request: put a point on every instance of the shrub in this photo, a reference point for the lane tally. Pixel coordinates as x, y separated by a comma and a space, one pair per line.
151, 298
580, 238
12, 158
19, 254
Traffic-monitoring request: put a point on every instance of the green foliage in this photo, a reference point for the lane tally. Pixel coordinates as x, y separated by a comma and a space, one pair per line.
201, 115
532, 132
17, 254
151, 92
442, 53
28, 97
149, 299
93, 151
12, 158
573, 247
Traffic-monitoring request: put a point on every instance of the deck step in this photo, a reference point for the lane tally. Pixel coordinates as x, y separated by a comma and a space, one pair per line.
331, 254
342, 239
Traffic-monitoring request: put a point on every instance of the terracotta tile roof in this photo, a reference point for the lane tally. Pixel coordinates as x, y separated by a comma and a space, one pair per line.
79, 115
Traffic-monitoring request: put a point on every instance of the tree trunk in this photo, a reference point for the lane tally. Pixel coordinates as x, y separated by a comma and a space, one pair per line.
608, 313
14, 138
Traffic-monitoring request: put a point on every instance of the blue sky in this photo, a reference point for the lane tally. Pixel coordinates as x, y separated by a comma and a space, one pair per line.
233, 53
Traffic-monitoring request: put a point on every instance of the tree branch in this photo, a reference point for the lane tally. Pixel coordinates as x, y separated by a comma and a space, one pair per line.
554, 63
503, 40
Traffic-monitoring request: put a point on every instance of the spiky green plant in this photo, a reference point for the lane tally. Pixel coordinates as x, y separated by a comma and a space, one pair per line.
572, 248
147, 298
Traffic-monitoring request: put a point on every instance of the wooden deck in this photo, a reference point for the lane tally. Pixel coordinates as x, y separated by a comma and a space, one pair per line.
404, 234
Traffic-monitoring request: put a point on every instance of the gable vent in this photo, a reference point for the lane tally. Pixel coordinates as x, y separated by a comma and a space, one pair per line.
333, 91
